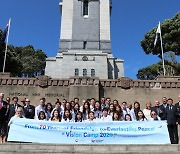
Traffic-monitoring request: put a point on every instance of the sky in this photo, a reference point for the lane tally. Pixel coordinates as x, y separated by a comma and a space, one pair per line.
37, 23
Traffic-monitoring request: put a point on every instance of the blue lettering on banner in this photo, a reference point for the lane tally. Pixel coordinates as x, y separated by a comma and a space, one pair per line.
149, 132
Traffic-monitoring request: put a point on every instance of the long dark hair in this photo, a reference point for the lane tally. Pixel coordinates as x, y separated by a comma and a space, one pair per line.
76, 119
43, 114
84, 110
119, 117
70, 115
136, 110
129, 116
99, 109
59, 116
46, 107
143, 117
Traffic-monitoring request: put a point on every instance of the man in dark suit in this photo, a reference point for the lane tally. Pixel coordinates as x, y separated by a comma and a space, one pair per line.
3, 116
177, 106
156, 108
13, 107
29, 110
172, 122
163, 108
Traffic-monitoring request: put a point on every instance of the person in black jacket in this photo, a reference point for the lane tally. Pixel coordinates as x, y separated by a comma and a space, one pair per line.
177, 106
29, 110
13, 107
3, 116
172, 122
163, 108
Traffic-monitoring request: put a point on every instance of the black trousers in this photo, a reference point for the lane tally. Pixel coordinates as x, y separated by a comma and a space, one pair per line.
173, 134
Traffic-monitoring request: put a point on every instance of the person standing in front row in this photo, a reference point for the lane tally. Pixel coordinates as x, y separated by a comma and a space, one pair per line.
177, 106
171, 121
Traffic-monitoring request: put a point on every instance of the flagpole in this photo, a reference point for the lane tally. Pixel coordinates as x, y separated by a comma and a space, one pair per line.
162, 52
6, 45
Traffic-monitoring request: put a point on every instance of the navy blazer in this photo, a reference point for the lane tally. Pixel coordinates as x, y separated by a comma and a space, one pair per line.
171, 115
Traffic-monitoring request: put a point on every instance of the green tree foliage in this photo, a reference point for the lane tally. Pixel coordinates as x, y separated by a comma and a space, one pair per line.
22, 61
170, 30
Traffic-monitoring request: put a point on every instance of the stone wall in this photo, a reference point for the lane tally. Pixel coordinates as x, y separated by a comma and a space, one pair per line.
123, 89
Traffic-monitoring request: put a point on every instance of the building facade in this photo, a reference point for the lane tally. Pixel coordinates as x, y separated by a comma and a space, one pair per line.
85, 44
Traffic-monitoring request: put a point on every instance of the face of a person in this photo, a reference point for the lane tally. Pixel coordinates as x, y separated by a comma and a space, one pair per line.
140, 114
76, 100
68, 106
72, 104
41, 116
27, 101
179, 98
117, 108
92, 102
97, 105
19, 113
56, 114
105, 113
136, 105
115, 103
83, 102
8, 99
102, 99
49, 107
170, 102
124, 105
153, 114
42, 103
86, 106
111, 107
157, 103
1, 96
108, 100
164, 100
128, 118
91, 116
15, 100
115, 116
148, 106
78, 116
67, 113
57, 106
76, 107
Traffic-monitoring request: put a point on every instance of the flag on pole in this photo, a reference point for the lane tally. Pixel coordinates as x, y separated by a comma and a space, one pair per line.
158, 32
4, 34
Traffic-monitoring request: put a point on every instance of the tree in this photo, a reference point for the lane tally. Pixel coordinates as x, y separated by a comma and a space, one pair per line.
22, 61
170, 30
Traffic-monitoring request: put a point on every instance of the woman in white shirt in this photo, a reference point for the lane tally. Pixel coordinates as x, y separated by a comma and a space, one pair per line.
91, 117
141, 116
147, 110
105, 116
67, 117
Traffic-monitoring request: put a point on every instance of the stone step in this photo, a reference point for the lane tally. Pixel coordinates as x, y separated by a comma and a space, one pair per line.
28, 148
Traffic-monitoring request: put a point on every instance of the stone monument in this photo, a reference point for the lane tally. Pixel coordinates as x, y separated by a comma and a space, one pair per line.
85, 44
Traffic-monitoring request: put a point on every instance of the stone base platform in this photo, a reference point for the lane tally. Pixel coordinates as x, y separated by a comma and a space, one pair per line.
27, 148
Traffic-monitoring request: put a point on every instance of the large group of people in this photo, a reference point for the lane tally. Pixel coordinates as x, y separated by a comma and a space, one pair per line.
89, 110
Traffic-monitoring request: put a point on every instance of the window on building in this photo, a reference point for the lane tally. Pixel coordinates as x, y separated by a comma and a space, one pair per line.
76, 73
93, 73
84, 44
85, 7
85, 72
